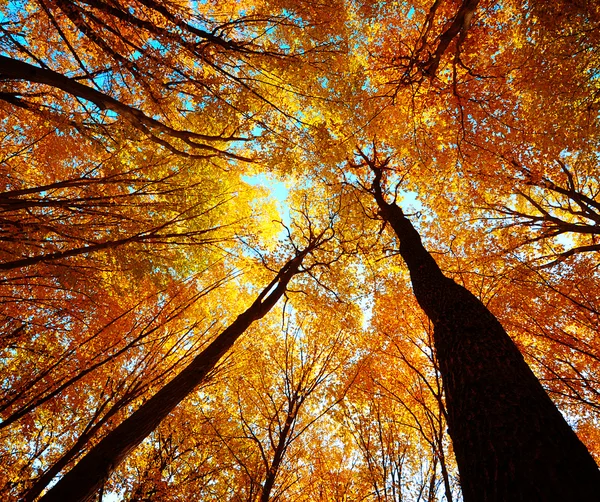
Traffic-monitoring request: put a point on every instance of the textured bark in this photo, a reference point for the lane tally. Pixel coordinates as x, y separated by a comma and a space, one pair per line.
510, 440
83, 481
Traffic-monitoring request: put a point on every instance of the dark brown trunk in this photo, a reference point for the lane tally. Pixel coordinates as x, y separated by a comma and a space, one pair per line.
282, 444
86, 478
39, 486
511, 442
445, 476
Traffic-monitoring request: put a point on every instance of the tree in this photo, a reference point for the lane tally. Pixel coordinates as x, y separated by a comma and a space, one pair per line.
509, 439
154, 64
263, 413
82, 482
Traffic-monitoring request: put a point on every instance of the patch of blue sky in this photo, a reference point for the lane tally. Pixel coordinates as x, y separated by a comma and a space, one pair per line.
298, 20
368, 85
12, 7
566, 240
409, 201
152, 44
155, 44
277, 191
324, 82
366, 304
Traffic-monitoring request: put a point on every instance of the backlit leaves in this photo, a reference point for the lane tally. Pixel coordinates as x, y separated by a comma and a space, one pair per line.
133, 227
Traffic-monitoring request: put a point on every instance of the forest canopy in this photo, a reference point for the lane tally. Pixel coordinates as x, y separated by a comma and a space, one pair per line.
205, 219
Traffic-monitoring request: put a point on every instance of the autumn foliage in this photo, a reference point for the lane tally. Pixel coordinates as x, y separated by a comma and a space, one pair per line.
170, 169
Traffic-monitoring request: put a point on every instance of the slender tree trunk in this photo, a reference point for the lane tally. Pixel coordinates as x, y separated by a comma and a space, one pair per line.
510, 440
84, 480
433, 481
445, 476
282, 444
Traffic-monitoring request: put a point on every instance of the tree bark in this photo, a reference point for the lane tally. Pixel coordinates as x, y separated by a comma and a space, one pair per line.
510, 440
44, 480
85, 479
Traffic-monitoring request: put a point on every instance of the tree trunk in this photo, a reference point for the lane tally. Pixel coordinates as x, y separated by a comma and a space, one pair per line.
282, 445
510, 440
86, 478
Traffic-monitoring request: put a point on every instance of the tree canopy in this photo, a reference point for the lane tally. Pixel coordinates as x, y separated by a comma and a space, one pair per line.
195, 208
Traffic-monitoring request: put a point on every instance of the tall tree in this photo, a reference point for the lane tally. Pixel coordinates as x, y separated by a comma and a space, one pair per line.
510, 441
83, 481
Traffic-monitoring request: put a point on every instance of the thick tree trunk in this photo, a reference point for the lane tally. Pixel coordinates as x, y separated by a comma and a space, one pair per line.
85, 479
511, 442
